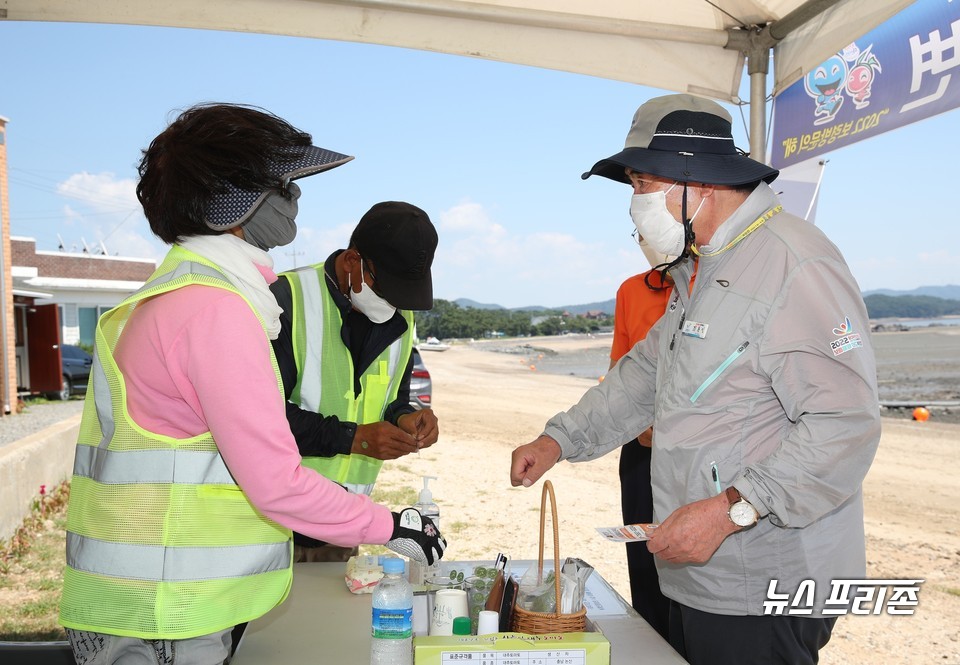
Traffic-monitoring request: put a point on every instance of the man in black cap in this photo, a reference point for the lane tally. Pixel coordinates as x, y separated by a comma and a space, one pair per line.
345, 353
760, 383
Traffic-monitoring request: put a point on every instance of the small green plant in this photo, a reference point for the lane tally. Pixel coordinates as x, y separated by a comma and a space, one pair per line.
31, 568
47, 584
45, 504
33, 400
398, 498
455, 527
39, 608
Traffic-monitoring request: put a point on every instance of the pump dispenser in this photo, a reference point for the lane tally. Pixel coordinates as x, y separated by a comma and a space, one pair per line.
419, 573
425, 505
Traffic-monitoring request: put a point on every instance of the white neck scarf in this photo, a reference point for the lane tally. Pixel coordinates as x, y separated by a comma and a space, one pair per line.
236, 258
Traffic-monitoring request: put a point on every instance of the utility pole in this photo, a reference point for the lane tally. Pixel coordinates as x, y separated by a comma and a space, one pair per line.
294, 253
8, 397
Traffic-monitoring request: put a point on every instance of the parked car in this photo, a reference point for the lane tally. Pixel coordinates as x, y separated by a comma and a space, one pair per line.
421, 386
75, 365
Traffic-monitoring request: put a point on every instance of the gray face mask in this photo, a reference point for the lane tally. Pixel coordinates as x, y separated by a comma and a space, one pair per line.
272, 224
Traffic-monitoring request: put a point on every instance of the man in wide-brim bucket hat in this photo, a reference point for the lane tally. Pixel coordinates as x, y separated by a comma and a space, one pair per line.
760, 384
680, 139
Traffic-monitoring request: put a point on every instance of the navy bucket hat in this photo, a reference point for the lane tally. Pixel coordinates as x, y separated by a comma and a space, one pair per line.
686, 139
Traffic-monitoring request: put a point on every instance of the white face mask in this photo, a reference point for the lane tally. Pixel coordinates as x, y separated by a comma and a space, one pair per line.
654, 257
656, 225
369, 303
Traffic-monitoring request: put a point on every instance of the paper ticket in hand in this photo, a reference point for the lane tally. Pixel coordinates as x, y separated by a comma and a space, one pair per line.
629, 533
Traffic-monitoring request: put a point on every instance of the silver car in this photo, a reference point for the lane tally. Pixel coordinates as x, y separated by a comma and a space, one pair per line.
421, 387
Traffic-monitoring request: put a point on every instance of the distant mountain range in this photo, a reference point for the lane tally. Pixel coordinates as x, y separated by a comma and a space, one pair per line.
607, 306
948, 292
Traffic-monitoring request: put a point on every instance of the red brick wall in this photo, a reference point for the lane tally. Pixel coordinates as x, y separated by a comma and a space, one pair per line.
78, 266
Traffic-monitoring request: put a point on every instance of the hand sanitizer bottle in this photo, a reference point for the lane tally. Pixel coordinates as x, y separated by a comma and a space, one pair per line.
418, 572
425, 505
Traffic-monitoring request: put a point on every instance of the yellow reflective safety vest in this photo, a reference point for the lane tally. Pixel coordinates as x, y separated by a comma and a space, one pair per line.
325, 374
161, 542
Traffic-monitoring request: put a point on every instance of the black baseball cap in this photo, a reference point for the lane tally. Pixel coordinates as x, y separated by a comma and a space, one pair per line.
400, 240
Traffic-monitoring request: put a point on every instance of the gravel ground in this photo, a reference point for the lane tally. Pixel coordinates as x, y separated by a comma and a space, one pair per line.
36, 416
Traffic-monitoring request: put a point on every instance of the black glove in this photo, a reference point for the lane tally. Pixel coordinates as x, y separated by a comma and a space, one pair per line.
417, 537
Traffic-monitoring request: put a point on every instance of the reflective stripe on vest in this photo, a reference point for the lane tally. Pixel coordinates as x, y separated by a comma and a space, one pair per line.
317, 344
183, 467
161, 542
172, 564
312, 314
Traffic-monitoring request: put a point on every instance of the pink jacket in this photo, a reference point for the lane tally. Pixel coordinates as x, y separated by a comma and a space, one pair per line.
197, 359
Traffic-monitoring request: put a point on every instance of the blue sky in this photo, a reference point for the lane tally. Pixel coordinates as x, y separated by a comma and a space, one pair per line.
492, 151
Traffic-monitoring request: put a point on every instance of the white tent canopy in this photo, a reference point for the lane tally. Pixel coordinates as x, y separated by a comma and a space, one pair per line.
696, 46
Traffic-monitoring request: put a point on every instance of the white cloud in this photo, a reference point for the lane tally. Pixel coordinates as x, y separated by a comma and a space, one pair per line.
104, 209
102, 192
941, 257
469, 218
480, 259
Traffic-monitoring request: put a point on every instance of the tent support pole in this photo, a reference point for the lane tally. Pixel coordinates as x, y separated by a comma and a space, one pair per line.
758, 116
756, 43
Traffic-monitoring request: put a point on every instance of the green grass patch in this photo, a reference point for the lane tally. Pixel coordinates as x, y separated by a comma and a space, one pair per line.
31, 572
47, 584
455, 527
395, 497
39, 608
375, 550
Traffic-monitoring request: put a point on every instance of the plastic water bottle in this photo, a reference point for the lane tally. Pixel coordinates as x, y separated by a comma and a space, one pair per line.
392, 626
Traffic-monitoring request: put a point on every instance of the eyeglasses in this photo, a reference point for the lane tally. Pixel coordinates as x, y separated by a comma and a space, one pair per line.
283, 186
637, 181
366, 266
641, 184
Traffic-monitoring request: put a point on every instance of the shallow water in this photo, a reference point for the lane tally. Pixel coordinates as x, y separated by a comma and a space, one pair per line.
919, 365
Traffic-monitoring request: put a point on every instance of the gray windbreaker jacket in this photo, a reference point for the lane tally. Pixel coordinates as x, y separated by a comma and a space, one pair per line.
767, 372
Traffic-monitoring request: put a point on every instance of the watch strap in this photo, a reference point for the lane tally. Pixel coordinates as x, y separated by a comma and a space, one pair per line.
733, 495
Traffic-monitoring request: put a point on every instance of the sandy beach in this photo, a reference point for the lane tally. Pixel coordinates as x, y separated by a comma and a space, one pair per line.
488, 403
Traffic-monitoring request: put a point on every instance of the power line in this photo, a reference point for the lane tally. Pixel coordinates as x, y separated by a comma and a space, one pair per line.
55, 186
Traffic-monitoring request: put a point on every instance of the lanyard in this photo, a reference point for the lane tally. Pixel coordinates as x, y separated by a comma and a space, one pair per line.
757, 223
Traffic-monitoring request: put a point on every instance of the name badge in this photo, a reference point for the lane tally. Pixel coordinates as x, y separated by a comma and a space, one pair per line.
695, 329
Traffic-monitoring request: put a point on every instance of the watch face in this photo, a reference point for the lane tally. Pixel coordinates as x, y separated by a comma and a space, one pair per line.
743, 514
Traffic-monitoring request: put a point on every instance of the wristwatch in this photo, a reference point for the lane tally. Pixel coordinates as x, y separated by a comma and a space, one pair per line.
741, 512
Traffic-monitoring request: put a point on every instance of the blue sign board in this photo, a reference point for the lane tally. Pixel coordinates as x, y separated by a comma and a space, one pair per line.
905, 70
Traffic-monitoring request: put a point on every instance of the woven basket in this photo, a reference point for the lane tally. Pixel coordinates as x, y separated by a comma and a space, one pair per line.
534, 623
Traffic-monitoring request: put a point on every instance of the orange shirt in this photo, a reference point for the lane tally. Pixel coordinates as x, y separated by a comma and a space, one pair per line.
638, 308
